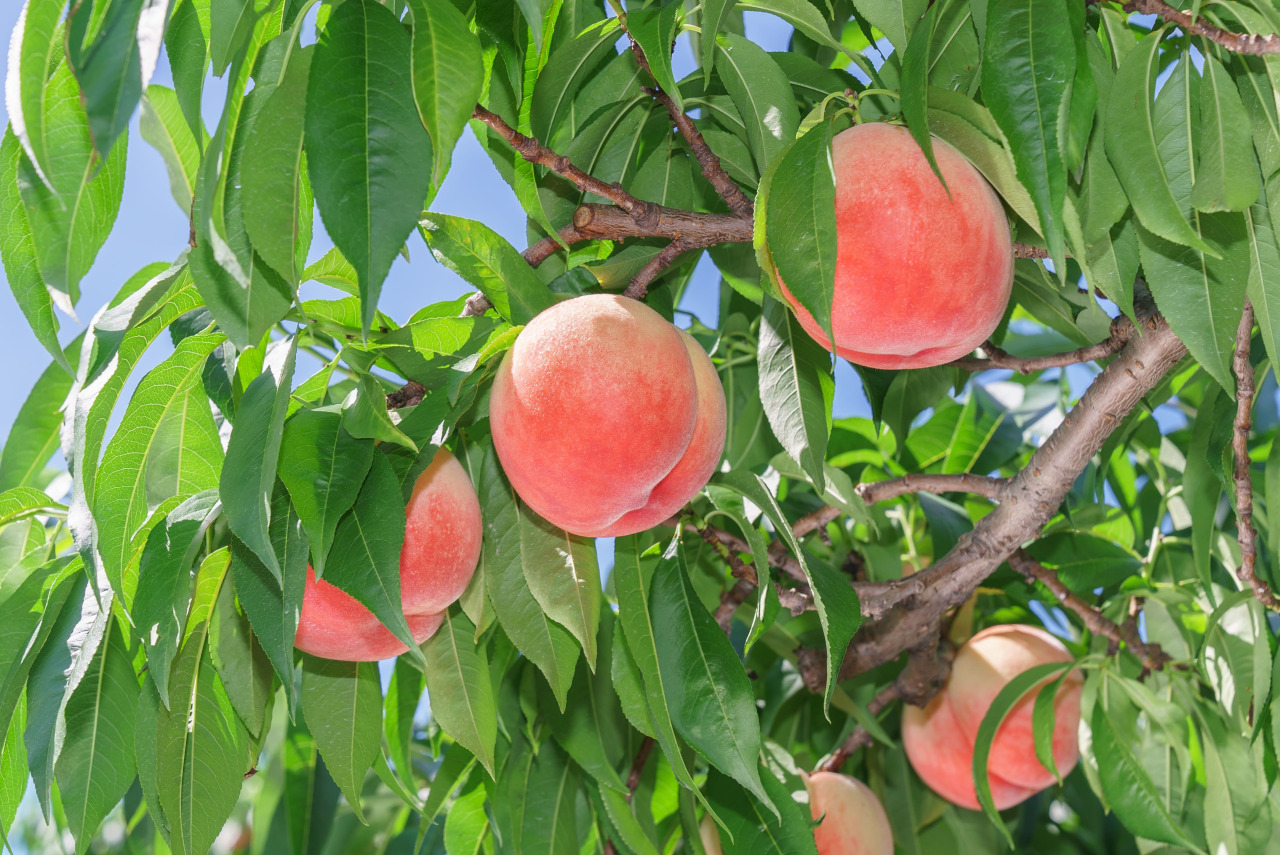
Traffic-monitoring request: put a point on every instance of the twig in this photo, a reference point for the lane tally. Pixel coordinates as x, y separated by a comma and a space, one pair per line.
1022, 250
408, 395
1246, 43
1121, 332
637, 768
639, 286
978, 485
725, 186
729, 602
924, 675
1151, 654
1246, 533
535, 152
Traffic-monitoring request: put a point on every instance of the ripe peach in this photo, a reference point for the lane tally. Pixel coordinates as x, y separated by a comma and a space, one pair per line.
922, 277
439, 556
607, 419
939, 739
853, 820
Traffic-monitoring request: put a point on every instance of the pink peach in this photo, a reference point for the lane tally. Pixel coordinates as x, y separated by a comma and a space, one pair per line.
923, 272
607, 419
853, 820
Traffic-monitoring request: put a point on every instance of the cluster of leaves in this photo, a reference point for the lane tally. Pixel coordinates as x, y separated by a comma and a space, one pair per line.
147, 666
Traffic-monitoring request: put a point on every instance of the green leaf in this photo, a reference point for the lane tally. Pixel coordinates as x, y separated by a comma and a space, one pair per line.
1004, 702
1085, 562
1128, 788
754, 829
544, 642
164, 127
466, 824
276, 209
159, 611
1225, 176
1237, 816
273, 610
460, 689
187, 46
113, 49
590, 726
365, 415
1029, 60
448, 77
35, 48
1134, 135
34, 435
202, 748
1263, 287
762, 94
916, 63
806, 18
561, 571
895, 18
72, 209
167, 445
486, 260
654, 30
796, 387
555, 113
241, 663
18, 253
549, 817
369, 202
707, 690
365, 558
323, 467
835, 600
96, 766
249, 473
231, 27
343, 704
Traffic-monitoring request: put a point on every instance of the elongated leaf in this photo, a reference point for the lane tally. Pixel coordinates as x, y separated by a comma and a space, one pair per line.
707, 690
241, 662
459, 687
561, 572
448, 76
549, 816
1263, 287
276, 209
342, 701
546, 643
365, 558
1237, 817
164, 583
893, 18
167, 431
34, 435
371, 202
113, 50
1005, 700
1028, 62
795, 388
466, 824
323, 467
249, 475
654, 30
1127, 786
33, 51
754, 829
186, 44
202, 747
18, 253
97, 761
762, 94
163, 126
1225, 177
834, 598
589, 726
1133, 147
485, 259
916, 64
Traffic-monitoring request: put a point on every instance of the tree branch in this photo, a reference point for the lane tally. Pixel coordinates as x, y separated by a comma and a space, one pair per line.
1028, 501
1121, 332
1151, 655
979, 485
724, 186
1246, 533
1246, 43
639, 286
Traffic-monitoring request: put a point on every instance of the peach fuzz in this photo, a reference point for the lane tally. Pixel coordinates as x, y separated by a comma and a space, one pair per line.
607, 419
922, 277
939, 739
853, 820
440, 553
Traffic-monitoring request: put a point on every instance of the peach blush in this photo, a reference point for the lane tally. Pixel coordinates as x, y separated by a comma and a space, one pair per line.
334, 625
853, 820
922, 277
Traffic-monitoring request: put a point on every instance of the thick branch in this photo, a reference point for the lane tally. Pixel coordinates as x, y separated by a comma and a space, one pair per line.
978, 485
1247, 43
1028, 501
639, 286
1151, 655
1246, 533
1121, 332
1022, 250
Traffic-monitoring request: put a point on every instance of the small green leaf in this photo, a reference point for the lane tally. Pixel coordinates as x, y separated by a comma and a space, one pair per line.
796, 387
448, 76
163, 126
654, 30
1225, 176
762, 94
343, 704
485, 259
460, 689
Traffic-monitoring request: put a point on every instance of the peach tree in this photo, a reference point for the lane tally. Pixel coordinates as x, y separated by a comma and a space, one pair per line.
1100, 466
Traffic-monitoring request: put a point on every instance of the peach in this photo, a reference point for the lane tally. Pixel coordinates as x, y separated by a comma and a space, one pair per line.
853, 820
922, 276
440, 553
607, 419
939, 739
